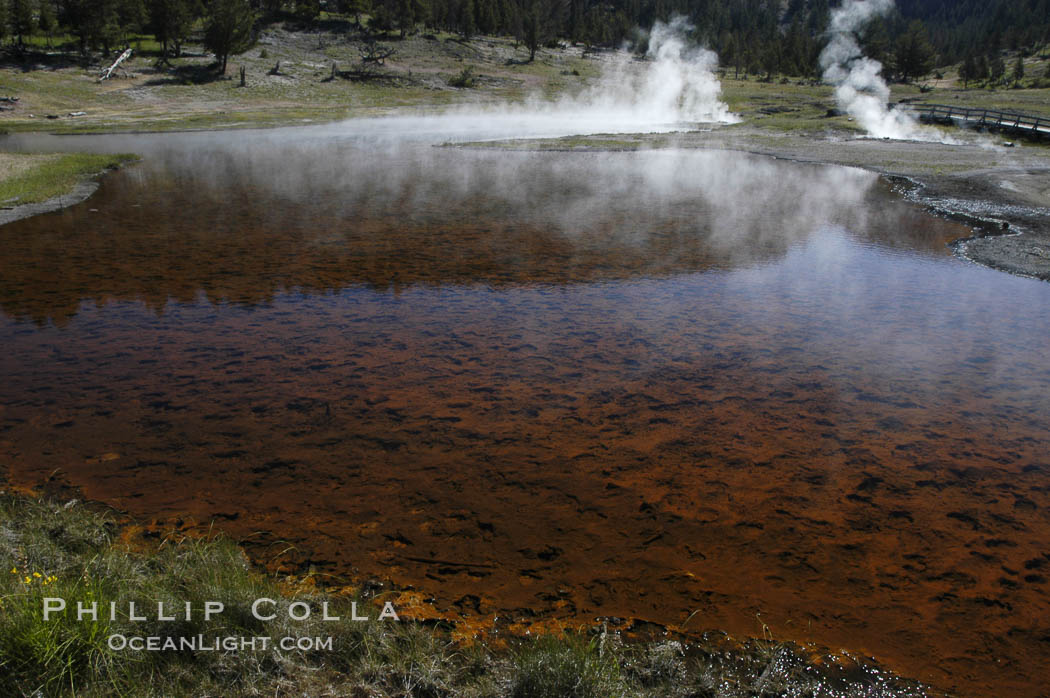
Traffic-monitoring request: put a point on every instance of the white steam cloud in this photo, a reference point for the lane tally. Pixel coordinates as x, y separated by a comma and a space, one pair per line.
860, 89
676, 84
672, 88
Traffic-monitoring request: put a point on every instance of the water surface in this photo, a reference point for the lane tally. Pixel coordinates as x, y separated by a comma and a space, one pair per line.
553, 385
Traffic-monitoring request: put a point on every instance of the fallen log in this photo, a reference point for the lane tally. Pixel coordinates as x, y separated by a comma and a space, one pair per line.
105, 74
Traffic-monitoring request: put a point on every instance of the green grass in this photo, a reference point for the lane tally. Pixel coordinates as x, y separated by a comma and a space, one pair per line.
552, 667
60, 41
49, 177
189, 93
77, 552
1029, 101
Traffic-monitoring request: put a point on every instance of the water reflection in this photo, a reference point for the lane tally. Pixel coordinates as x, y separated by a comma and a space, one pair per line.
241, 224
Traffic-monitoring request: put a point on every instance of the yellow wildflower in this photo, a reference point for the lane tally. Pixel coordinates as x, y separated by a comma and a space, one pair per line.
37, 575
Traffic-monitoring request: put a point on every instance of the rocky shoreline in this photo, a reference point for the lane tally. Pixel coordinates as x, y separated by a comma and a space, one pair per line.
1007, 204
81, 192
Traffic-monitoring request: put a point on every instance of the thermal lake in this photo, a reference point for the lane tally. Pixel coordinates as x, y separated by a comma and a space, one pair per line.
542, 386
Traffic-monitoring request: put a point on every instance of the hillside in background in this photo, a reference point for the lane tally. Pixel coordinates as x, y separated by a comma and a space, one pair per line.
768, 37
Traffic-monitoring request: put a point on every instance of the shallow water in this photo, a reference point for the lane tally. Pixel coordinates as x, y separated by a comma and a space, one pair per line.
568, 385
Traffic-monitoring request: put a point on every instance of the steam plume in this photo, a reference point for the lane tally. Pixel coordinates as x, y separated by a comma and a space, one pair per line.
860, 89
676, 85
679, 84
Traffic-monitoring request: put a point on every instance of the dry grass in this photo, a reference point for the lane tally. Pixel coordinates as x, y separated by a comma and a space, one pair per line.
16, 164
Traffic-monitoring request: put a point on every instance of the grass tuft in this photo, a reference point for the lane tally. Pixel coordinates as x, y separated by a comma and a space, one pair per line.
566, 667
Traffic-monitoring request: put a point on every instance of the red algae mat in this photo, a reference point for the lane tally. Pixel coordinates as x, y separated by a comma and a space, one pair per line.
557, 387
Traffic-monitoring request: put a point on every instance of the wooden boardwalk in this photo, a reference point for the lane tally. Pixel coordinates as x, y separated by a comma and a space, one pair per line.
1022, 124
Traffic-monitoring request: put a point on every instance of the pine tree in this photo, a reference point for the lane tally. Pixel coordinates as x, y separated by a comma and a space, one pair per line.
467, 24
531, 32
409, 13
47, 22
382, 19
914, 53
876, 41
93, 22
171, 21
982, 68
575, 27
307, 10
3, 20
730, 56
131, 17
996, 69
23, 21
229, 29
539, 22
406, 18
485, 14
355, 8
1019, 69
968, 70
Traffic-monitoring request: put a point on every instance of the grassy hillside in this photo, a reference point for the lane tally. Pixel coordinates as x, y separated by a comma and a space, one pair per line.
290, 77
297, 76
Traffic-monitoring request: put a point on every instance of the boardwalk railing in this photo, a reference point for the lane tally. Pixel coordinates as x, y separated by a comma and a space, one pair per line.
987, 118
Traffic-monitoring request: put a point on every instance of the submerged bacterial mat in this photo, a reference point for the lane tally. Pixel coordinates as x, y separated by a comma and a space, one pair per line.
554, 386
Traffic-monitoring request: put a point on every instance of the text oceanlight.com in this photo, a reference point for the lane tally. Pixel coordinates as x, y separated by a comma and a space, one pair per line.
200, 643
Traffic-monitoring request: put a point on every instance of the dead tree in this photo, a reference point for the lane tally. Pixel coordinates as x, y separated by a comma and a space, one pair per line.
373, 54
106, 73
